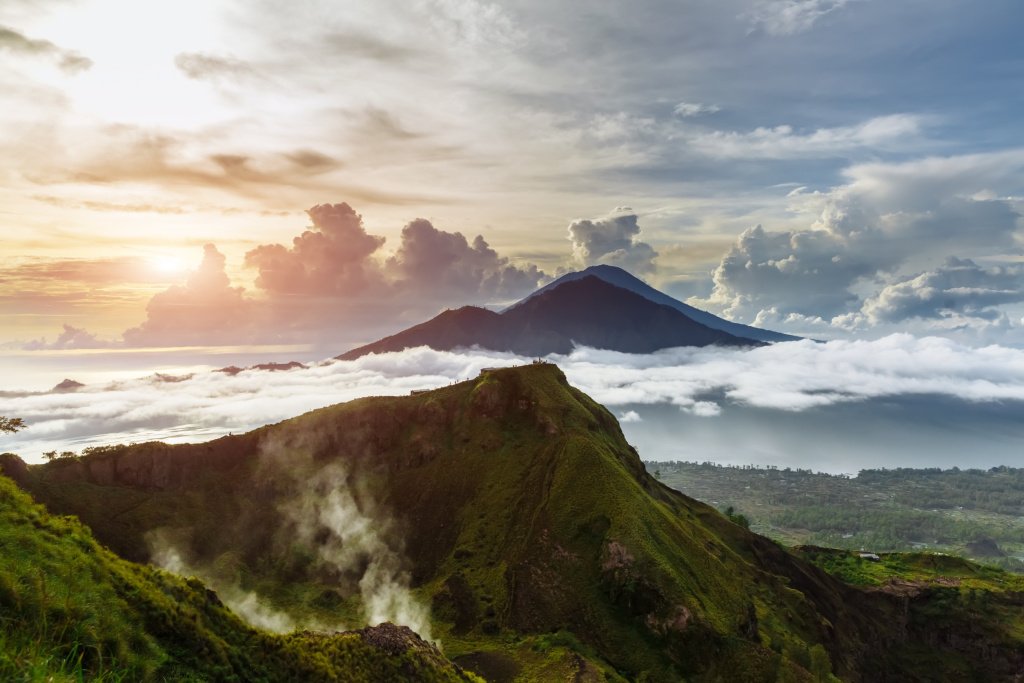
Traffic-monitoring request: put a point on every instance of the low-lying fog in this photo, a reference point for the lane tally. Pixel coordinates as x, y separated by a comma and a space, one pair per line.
838, 407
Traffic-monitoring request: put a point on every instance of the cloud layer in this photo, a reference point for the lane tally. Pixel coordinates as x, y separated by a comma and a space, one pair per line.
707, 382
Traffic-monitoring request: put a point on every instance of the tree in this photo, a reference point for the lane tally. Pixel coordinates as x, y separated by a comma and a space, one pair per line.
54, 455
11, 425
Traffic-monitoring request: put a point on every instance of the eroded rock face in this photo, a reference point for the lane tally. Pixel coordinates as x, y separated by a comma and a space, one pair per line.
393, 639
154, 466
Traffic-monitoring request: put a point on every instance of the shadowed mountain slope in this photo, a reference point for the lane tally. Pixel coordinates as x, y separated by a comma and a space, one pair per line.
535, 535
621, 278
588, 311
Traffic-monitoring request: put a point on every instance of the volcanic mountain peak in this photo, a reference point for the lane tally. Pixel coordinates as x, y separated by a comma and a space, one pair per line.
621, 278
588, 311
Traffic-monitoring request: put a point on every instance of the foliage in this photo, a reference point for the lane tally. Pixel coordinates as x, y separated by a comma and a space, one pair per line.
879, 510
11, 425
731, 515
71, 610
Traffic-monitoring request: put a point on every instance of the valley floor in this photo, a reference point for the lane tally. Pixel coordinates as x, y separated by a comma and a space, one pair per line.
978, 514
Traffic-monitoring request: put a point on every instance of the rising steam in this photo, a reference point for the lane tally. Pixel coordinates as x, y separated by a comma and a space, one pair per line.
350, 535
245, 604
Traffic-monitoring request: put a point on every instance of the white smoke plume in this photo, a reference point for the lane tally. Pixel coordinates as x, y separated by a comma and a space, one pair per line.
359, 534
245, 604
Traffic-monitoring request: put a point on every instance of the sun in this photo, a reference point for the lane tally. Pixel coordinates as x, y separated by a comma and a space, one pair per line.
168, 264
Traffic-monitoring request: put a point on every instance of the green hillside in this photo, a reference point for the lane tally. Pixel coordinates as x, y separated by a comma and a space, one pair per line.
73, 610
510, 517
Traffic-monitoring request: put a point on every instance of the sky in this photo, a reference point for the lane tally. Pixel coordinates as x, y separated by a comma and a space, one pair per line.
189, 185
316, 174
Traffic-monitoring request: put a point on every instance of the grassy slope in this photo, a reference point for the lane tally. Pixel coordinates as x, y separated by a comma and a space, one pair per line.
71, 610
531, 527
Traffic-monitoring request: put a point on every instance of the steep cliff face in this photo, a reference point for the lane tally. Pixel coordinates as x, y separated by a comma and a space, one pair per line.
515, 509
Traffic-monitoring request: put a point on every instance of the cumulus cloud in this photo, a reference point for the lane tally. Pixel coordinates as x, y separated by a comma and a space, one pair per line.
205, 309
332, 279
68, 60
789, 17
794, 376
613, 240
433, 261
332, 257
959, 287
889, 217
808, 272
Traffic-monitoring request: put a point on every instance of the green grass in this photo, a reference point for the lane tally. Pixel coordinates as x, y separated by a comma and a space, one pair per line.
71, 611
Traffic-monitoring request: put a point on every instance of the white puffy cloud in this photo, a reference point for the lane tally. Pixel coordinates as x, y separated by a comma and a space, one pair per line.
444, 264
792, 376
612, 240
959, 287
888, 219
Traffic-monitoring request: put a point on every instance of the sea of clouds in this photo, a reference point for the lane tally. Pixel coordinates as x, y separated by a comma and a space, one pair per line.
706, 383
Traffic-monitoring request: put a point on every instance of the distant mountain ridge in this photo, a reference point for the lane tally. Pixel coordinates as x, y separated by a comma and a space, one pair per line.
621, 278
588, 311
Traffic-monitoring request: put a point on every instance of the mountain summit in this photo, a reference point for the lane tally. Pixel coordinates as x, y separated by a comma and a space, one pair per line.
588, 311
621, 278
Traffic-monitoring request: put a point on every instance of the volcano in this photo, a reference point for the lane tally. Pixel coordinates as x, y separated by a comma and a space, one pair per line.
588, 311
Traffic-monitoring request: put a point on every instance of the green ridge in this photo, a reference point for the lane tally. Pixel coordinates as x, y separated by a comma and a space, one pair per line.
532, 530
